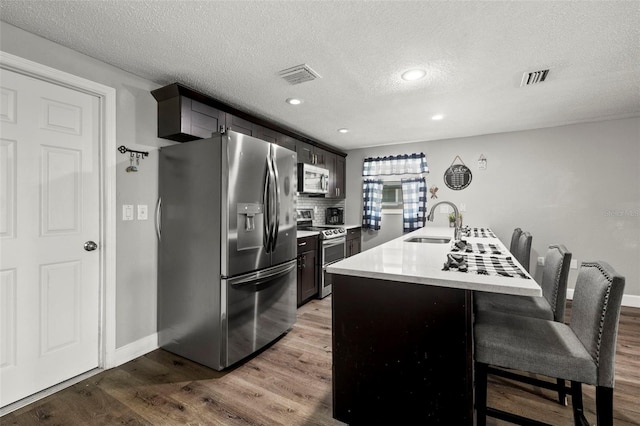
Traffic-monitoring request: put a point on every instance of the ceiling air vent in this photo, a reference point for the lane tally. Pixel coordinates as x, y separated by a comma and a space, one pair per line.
534, 77
299, 74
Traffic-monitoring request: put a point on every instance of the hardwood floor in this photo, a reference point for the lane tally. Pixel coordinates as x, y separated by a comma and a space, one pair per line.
289, 383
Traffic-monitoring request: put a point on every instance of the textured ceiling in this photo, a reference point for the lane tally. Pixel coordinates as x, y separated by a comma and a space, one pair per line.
475, 54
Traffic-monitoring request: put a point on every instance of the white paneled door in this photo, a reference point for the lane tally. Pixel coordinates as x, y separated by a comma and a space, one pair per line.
49, 212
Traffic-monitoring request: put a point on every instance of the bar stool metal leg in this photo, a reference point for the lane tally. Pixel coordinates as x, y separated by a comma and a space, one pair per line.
481, 394
562, 392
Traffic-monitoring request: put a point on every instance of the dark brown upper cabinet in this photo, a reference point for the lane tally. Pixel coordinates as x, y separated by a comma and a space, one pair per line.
278, 138
339, 177
240, 125
305, 152
183, 119
185, 115
312, 154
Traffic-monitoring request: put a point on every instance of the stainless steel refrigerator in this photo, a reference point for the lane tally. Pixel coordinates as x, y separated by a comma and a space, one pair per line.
227, 247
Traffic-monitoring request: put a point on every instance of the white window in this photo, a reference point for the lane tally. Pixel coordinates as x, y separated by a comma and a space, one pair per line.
392, 197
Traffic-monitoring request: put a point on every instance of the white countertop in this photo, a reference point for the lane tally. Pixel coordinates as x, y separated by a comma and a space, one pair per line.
349, 226
303, 234
422, 263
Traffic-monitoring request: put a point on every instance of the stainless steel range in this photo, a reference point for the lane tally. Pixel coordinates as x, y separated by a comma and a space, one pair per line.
333, 245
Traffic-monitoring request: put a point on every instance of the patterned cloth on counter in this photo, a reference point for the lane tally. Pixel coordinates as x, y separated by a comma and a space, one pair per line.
481, 248
483, 265
478, 232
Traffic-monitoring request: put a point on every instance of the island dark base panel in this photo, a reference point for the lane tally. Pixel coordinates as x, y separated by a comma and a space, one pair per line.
402, 353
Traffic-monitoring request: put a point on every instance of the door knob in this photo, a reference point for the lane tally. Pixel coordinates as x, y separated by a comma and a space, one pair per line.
90, 246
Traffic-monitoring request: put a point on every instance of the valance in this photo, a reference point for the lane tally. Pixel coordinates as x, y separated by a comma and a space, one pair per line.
395, 165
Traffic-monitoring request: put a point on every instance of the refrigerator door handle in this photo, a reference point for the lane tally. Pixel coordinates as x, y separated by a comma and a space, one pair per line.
255, 279
276, 225
159, 219
267, 209
272, 203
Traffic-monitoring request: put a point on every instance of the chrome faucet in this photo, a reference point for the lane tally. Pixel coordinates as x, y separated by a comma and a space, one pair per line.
455, 212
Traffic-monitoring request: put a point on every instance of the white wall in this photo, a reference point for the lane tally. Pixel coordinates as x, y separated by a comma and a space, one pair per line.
136, 117
578, 185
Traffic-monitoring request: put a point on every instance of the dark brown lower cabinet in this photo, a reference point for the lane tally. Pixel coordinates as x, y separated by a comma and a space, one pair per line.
308, 268
402, 353
353, 239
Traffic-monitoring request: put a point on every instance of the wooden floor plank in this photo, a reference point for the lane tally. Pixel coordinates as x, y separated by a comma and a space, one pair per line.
288, 383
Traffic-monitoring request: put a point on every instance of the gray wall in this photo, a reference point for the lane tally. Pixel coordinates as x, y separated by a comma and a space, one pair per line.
136, 245
578, 185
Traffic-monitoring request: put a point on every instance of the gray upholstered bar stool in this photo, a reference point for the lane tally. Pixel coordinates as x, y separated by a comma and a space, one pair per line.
551, 306
515, 238
583, 352
524, 249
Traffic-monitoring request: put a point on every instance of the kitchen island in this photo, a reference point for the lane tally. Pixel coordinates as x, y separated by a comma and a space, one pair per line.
402, 329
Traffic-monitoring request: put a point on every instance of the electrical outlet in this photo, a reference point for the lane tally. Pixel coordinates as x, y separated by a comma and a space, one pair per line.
463, 207
127, 212
143, 212
541, 261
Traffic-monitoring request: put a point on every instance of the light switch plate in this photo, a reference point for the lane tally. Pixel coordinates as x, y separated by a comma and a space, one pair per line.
574, 264
127, 212
143, 212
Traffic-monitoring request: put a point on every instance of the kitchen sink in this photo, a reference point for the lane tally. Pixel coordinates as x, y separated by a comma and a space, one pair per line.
429, 240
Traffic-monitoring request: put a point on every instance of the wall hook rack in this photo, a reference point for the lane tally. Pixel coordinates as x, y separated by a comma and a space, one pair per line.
123, 150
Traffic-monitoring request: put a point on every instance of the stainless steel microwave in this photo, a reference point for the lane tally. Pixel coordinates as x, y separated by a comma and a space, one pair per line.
312, 179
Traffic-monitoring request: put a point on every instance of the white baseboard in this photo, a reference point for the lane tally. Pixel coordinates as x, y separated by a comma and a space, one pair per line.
627, 299
122, 355
135, 349
46, 392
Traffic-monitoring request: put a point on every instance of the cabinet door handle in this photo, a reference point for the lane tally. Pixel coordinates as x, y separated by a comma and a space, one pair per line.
302, 244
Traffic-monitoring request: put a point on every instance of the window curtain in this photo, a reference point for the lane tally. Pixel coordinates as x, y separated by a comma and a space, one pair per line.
395, 165
372, 204
414, 209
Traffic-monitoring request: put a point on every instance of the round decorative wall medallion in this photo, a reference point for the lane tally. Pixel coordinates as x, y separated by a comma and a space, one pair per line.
457, 177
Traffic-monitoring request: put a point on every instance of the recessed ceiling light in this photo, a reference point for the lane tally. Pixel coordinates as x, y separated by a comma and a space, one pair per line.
411, 75
437, 117
294, 101
343, 130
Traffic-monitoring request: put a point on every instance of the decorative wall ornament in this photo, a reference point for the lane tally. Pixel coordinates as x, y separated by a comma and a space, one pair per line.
482, 162
457, 176
133, 155
433, 191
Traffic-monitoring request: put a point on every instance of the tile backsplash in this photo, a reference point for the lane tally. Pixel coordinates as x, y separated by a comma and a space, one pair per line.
305, 202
